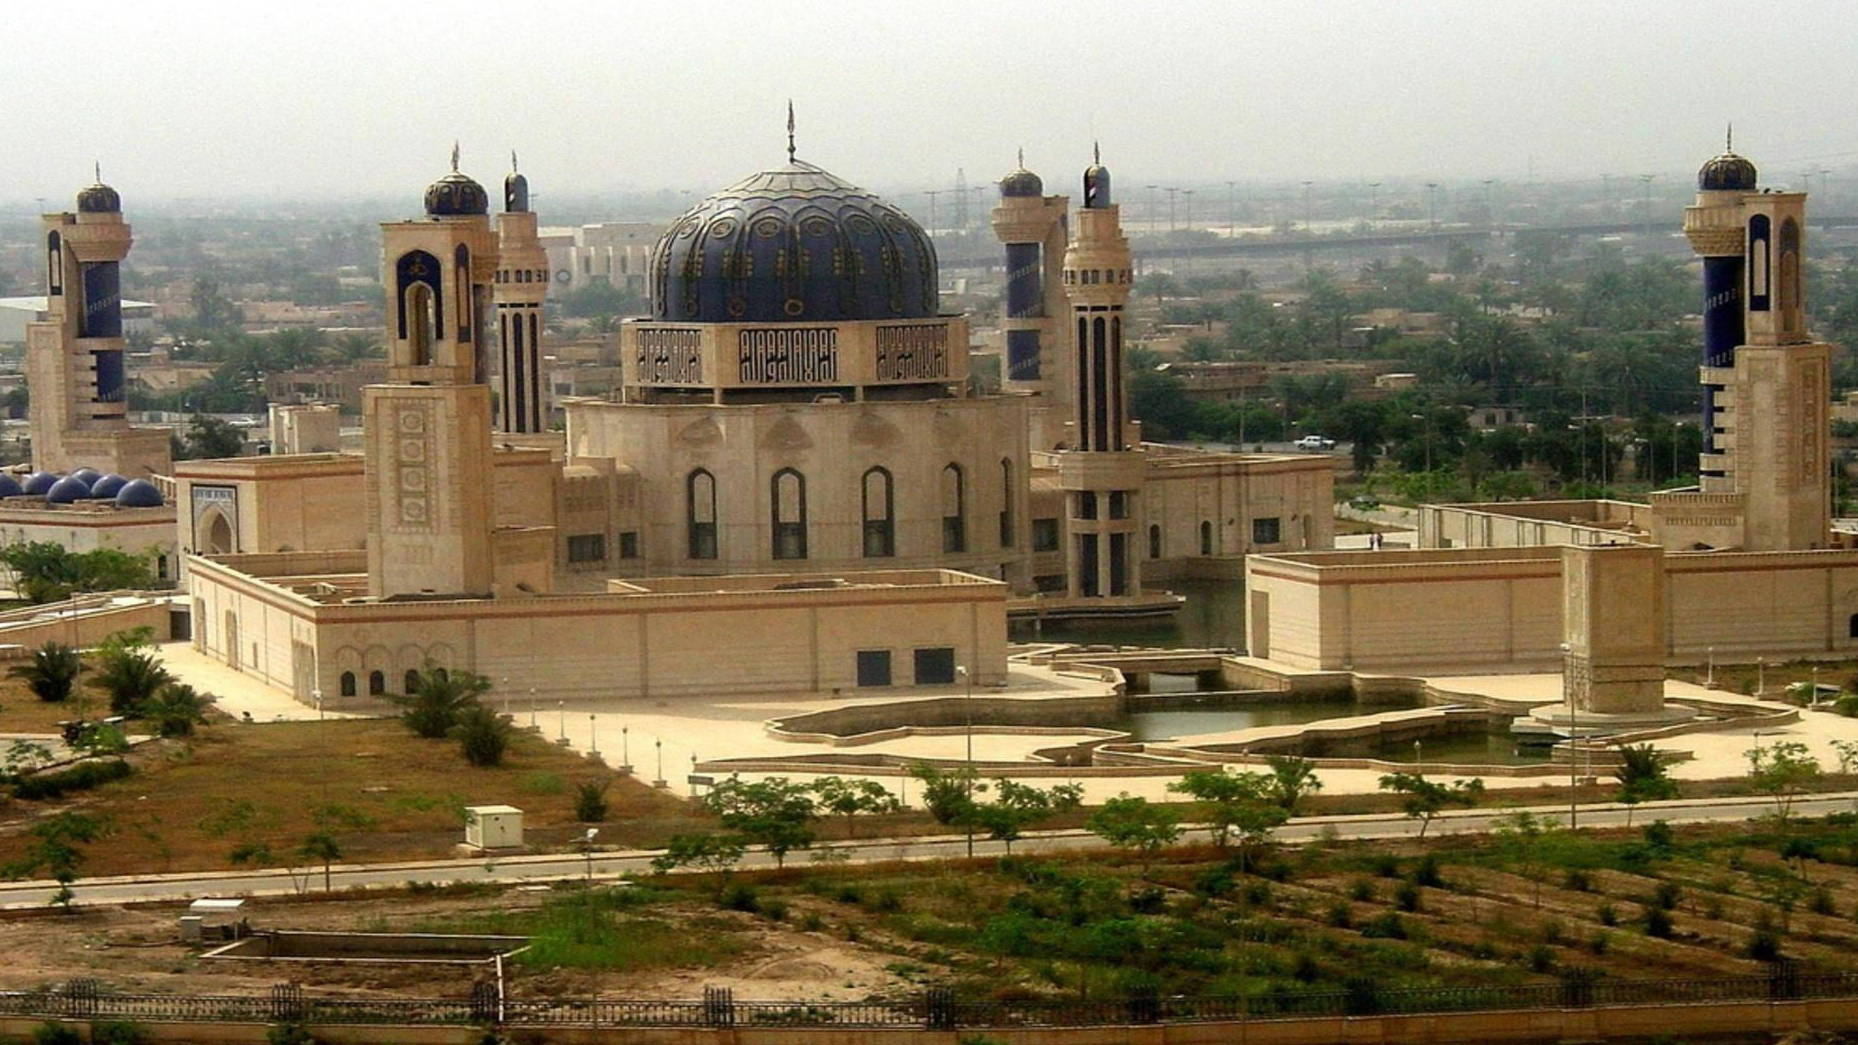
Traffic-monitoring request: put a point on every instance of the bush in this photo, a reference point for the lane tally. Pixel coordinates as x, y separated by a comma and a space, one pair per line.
1821, 902
1764, 944
483, 735
1427, 873
1666, 896
1599, 941
1407, 897
590, 806
1606, 914
773, 910
1578, 880
1658, 923
1214, 882
1552, 930
1389, 926
81, 777
1361, 889
118, 1032
741, 897
1659, 836
1541, 958
889, 901
1339, 916
289, 1034
1387, 865
1148, 900
56, 1034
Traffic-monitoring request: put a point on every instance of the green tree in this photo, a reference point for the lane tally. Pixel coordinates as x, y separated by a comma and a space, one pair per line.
850, 798
176, 709
1132, 823
129, 672
1241, 806
51, 673
1423, 799
1520, 835
590, 805
774, 813
1643, 777
949, 796
1291, 779
483, 735
439, 699
320, 847
46, 572
1017, 806
1782, 771
706, 853
57, 850
210, 437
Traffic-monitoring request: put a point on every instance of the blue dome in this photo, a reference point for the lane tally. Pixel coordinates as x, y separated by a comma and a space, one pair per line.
9, 486
38, 483
1021, 182
108, 485
1728, 171
138, 493
793, 245
66, 490
456, 195
99, 199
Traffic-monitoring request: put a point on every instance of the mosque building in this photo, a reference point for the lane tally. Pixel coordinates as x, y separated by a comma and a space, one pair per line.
1743, 564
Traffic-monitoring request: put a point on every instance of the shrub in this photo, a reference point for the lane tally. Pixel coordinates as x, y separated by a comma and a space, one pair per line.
1427, 873
1387, 865
1713, 907
52, 672
773, 910
811, 922
1361, 889
888, 901
56, 1034
1305, 969
1213, 882
1821, 902
1599, 941
1764, 943
1258, 893
1579, 880
1541, 958
740, 897
1389, 926
1658, 923
1666, 896
1148, 900
590, 806
118, 1032
1659, 835
289, 1034
483, 735
81, 777
1606, 914
1552, 930
1407, 897
1339, 915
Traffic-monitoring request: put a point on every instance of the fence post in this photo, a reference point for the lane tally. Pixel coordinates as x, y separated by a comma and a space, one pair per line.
82, 997
719, 1006
287, 1004
1783, 979
484, 1002
939, 1009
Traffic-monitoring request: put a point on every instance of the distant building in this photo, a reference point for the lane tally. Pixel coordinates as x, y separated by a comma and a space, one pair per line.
17, 313
618, 252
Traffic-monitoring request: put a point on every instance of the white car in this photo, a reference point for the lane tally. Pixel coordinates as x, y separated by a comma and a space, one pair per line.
1314, 442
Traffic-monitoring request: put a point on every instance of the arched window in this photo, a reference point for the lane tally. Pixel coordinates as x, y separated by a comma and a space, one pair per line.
461, 267
1206, 538
1789, 276
880, 517
954, 510
444, 676
54, 265
412, 681
422, 313
700, 498
1006, 502
377, 683
1154, 541
1853, 626
788, 514
348, 683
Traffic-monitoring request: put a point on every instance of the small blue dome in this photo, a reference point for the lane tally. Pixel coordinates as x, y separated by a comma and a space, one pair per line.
9, 486
66, 490
38, 483
108, 485
138, 493
89, 475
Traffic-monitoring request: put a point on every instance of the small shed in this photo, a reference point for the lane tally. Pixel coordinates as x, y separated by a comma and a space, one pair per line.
213, 919
493, 827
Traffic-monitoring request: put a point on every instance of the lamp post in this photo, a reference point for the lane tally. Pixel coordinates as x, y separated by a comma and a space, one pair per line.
660, 782
1812, 699
561, 715
1761, 675
593, 736
1574, 740
506, 698
1419, 758
625, 750
1709, 677
967, 714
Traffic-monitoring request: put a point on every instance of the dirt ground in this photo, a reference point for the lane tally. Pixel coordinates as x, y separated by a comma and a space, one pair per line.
138, 949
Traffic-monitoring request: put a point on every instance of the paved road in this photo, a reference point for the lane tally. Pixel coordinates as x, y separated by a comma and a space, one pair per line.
519, 870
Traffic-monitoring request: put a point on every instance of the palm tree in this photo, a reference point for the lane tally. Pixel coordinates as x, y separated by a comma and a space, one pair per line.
130, 674
177, 709
52, 672
439, 699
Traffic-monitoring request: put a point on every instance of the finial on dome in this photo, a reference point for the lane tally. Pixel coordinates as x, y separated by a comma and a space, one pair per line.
1096, 153
790, 130
1729, 138
1022, 157
454, 155
513, 167
96, 167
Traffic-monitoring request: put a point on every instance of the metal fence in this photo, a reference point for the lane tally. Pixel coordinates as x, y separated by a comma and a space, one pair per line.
935, 1009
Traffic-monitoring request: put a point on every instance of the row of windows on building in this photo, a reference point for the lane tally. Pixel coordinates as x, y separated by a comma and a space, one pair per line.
1265, 530
878, 512
522, 275
350, 682
1095, 276
931, 666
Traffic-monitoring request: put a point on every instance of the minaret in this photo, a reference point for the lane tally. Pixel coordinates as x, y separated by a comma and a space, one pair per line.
1033, 227
1765, 380
522, 284
428, 428
1101, 472
74, 359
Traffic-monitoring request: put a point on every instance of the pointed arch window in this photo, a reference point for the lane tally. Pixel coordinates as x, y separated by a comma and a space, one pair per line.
1789, 275
880, 516
700, 499
348, 683
788, 514
421, 313
954, 510
377, 683
1154, 541
1006, 502
461, 268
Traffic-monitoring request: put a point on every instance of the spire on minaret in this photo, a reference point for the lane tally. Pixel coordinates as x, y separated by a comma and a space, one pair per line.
97, 169
1022, 157
1729, 138
790, 130
513, 167
454, 155
1096, 153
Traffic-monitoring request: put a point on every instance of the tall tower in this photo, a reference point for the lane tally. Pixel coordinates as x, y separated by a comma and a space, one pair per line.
1101, 472
428, 428
1765, 380
521, 286
74, 359
1033, 227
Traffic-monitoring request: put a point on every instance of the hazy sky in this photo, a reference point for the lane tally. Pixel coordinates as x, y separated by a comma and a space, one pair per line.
321, 99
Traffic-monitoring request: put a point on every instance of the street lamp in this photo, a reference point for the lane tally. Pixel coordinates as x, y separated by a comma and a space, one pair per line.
1709, 678
593, 736
660, 782
967, 711
1761, 675
561, 715
625, 750
506, 698
1419, 759
1574, 740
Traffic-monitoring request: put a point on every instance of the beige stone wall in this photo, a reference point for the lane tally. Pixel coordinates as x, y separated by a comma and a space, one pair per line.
1532, 524
831, 445
288, 502
1501, 609
685, 640
1232, 492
